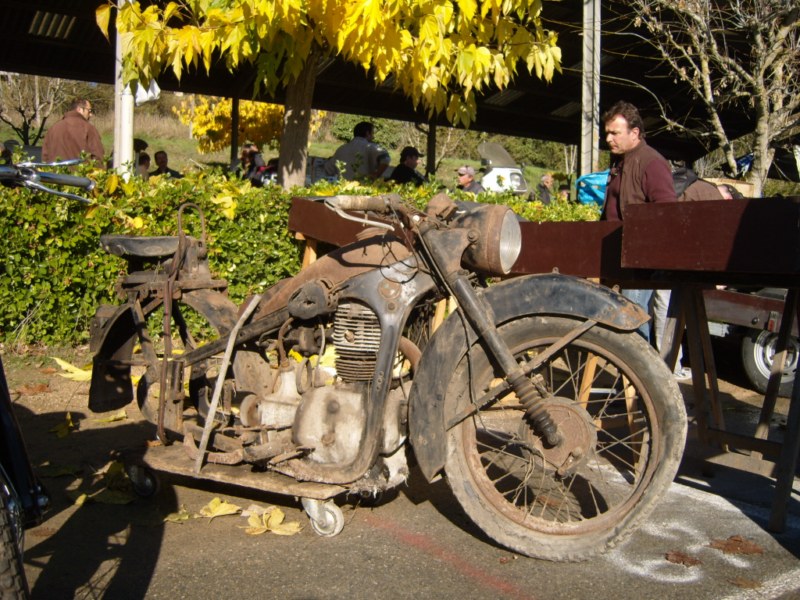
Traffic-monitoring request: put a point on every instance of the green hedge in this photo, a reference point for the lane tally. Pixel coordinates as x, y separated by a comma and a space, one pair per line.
54, 274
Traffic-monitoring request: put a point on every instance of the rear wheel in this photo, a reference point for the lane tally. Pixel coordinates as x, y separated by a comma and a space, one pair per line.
624, 427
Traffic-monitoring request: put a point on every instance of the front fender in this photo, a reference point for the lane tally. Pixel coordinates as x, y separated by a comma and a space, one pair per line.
550, 293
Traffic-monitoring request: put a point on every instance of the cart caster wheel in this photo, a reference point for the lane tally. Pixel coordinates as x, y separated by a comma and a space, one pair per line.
143, 480
326, 517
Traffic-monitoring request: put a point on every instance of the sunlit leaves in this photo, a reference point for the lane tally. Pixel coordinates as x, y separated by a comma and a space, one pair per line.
469, 45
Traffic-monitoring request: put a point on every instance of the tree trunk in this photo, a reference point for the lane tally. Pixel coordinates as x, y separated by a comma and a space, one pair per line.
296, 125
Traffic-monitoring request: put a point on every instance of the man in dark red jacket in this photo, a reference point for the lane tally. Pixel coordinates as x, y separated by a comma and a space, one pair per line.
72, 135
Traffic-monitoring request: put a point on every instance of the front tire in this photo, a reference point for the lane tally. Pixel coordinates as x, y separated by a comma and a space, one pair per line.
621, 411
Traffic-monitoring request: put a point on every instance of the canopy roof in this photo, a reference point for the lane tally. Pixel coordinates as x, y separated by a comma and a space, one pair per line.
60, 39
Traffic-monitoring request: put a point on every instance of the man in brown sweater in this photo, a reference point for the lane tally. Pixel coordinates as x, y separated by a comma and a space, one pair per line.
638, 174
72, 135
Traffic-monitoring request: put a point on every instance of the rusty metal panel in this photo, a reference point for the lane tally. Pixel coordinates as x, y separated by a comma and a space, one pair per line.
314, 221
753, 236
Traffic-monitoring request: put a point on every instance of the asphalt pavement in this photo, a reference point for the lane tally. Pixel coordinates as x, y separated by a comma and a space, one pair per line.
697, 544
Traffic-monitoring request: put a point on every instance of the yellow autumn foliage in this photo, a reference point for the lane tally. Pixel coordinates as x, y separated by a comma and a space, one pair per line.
439, 53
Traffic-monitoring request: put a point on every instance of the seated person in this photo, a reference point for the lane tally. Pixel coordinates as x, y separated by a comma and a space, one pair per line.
406, 171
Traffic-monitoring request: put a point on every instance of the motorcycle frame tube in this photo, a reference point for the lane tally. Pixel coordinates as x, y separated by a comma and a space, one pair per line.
512, 299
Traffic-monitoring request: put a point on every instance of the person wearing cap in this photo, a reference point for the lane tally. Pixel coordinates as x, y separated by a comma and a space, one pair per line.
406, 171
466, 180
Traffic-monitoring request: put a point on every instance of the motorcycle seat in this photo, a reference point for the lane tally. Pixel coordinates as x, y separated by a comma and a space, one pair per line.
138, 246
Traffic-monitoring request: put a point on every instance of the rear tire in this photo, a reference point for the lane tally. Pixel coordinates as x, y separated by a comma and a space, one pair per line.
627, 439
12, 576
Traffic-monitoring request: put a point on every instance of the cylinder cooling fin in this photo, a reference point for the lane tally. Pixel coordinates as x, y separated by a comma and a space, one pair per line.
357, 338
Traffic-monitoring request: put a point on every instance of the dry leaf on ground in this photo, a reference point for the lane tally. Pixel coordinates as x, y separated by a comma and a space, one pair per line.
737, 544
73, 372
218, 508
62, 429
681, 558
120, 415
179, 517
747, 584
272, 520
33, 389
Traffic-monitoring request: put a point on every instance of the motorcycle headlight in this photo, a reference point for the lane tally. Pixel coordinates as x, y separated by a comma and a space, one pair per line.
499, 239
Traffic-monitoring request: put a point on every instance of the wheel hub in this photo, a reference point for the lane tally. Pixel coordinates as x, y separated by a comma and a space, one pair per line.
577, 431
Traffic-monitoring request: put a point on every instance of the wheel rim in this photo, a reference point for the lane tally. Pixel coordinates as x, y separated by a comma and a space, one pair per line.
764, 355
521, 481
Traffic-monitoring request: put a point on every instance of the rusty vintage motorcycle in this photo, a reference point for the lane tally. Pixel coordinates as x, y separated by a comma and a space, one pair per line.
556, 426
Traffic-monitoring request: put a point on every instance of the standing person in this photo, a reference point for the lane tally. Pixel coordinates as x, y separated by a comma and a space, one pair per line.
638, 175
544, 189
466, 180
406, 171
162, 166
73, 134
362, 157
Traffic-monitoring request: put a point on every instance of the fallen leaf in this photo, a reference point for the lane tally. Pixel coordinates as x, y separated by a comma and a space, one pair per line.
41, 532
747, 584
272, 520
62, 429
680, 558
80, 499
73, 372
118, 416
49, 470
48, 370
179, 517
736, 544
275, 521
219, 508
112, 496
33, 389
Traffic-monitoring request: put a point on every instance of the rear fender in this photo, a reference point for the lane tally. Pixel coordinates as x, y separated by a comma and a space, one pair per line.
515, 298
113, 337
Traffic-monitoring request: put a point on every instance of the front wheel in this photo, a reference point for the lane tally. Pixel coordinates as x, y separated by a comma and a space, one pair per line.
624, 427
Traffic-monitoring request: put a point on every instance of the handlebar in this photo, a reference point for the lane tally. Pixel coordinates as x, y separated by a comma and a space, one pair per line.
27, 175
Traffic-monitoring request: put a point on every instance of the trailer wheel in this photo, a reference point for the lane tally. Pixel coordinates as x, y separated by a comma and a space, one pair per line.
758, 353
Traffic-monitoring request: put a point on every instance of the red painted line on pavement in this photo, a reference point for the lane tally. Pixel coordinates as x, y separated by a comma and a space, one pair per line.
426, 544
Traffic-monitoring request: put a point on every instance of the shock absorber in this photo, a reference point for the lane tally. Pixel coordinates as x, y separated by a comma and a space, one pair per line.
476, 312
